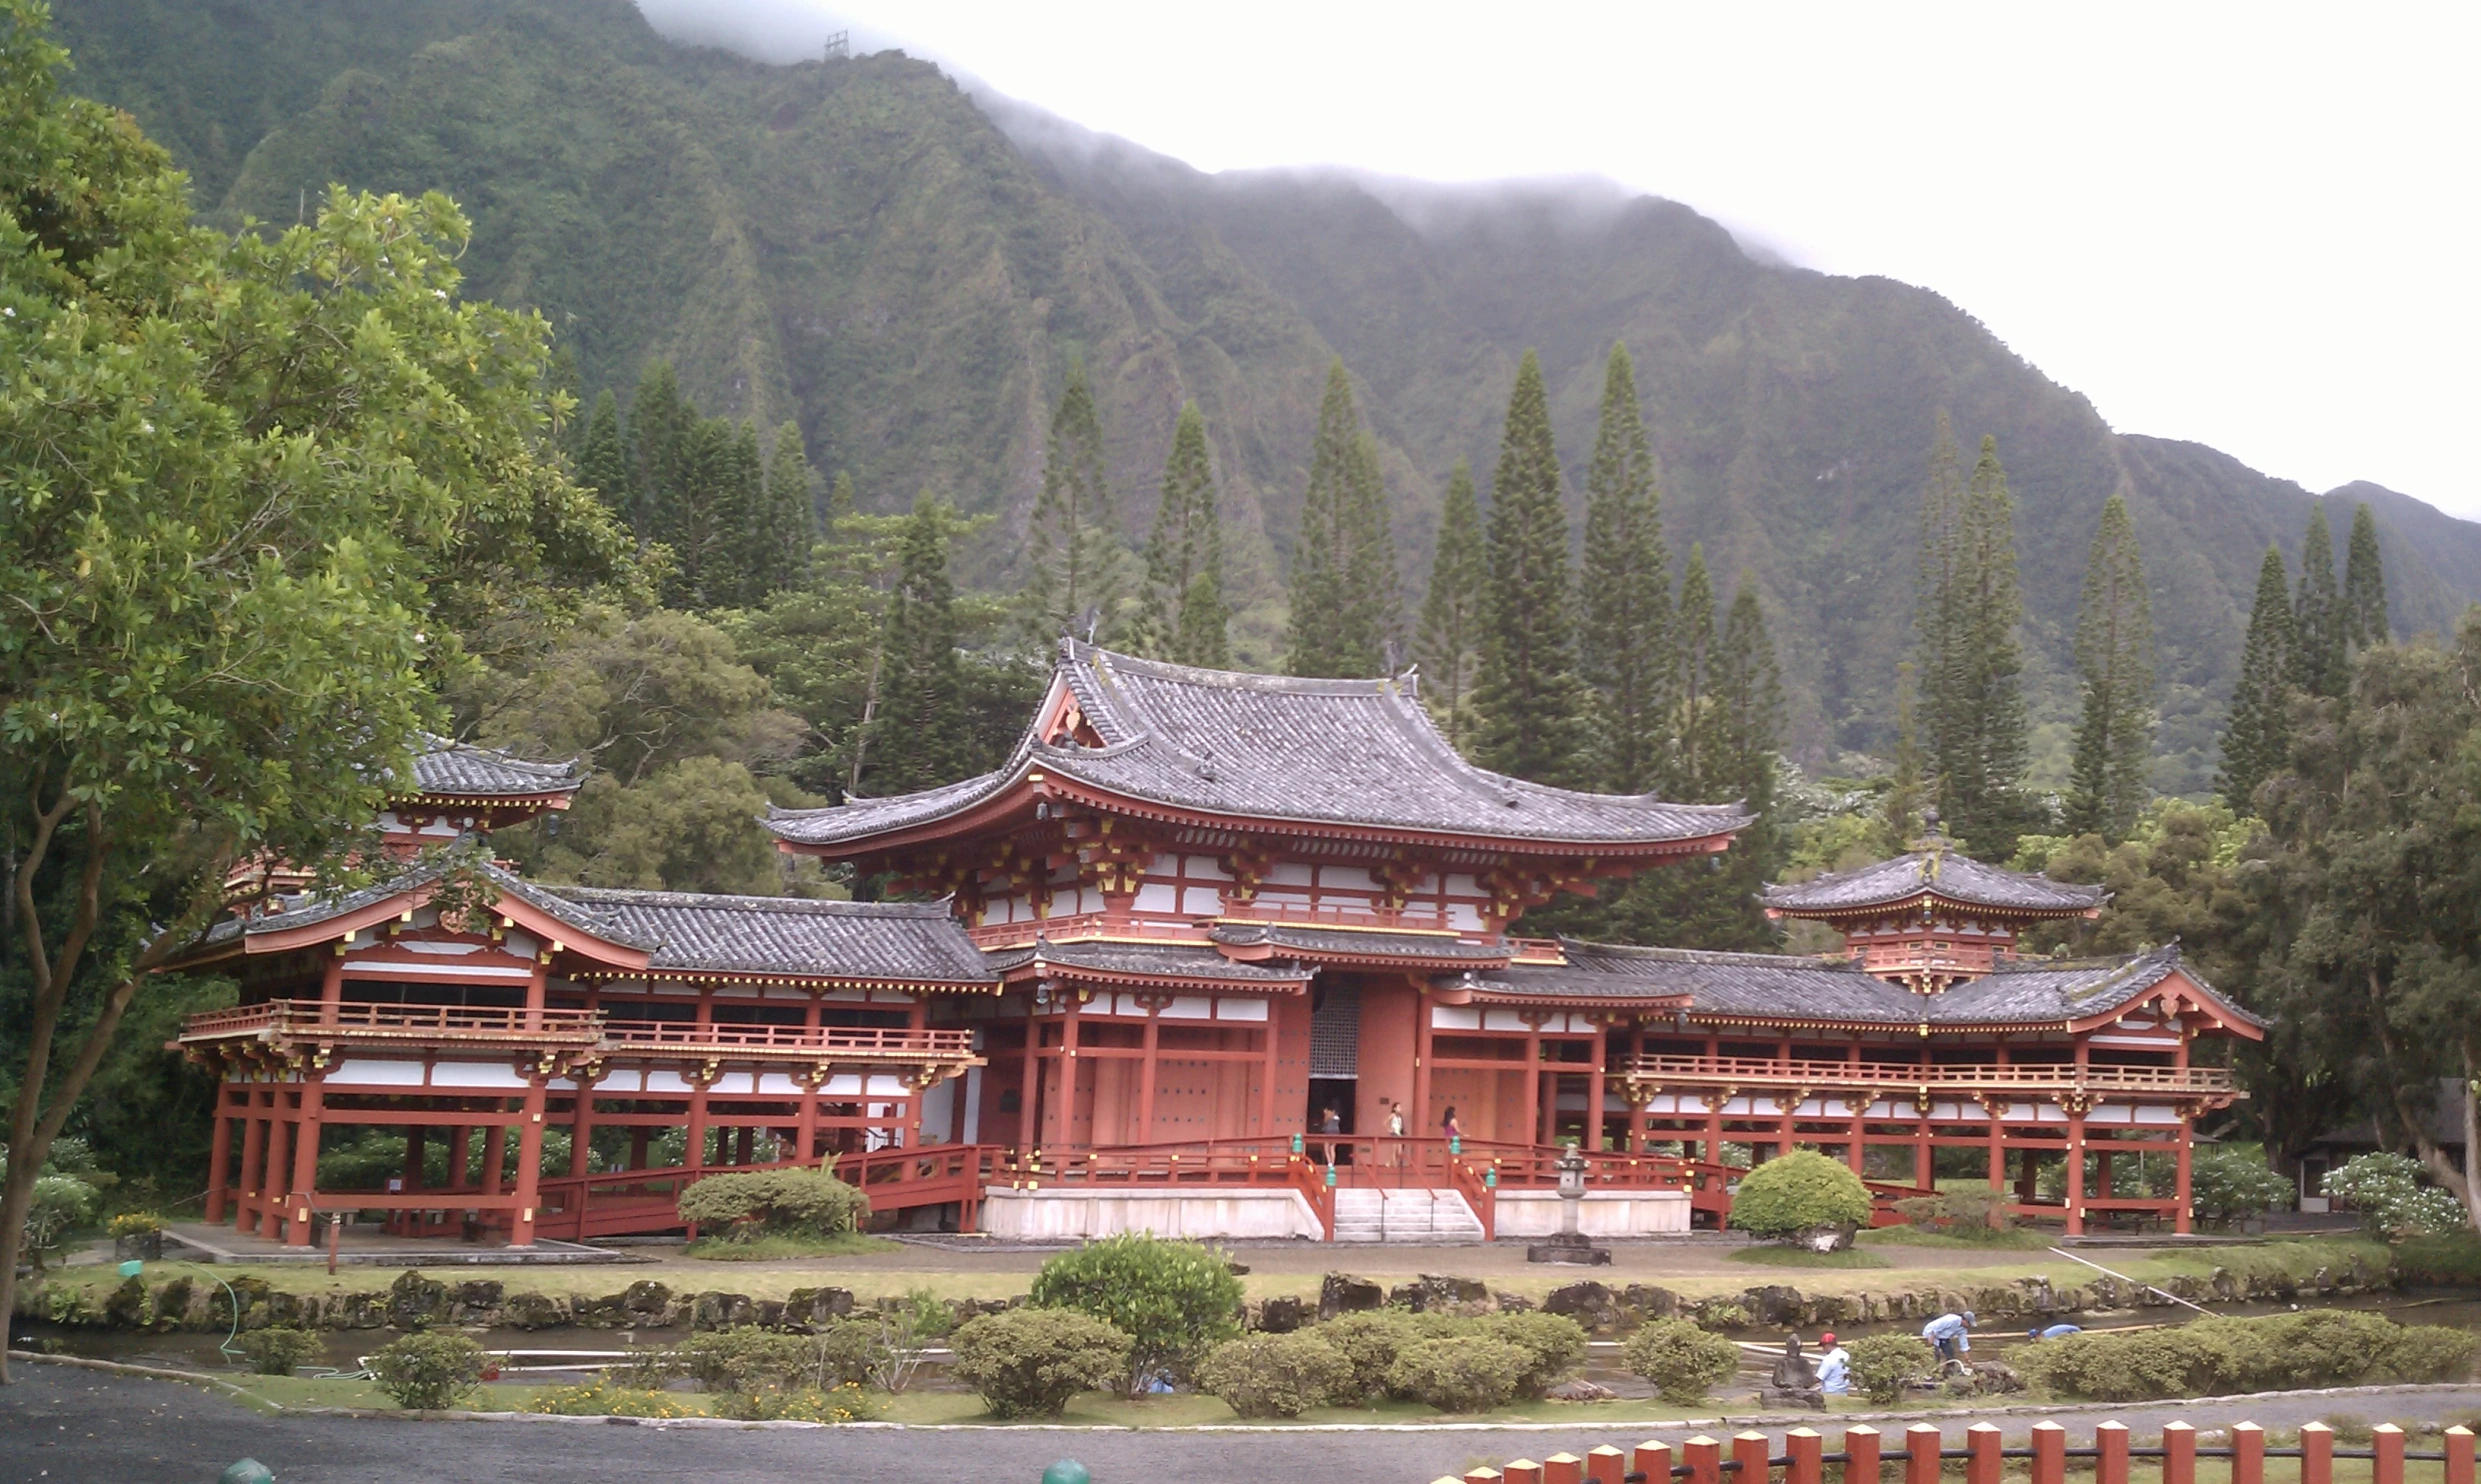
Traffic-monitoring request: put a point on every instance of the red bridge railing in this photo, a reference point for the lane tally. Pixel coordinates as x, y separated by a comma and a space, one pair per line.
2112, 1457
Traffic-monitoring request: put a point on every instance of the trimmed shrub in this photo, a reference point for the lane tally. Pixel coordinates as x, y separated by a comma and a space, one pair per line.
1882, 1364
134, 1224
1276, 1375
1031, 1362
1173, 1300
745, 1359
1555, 1342
1681, 1360
846, 1403
801, 1202
428, 1372
276, 1352
2230, 1182
1800, 1192
2279, 1352
1465, 1373
1369, 1343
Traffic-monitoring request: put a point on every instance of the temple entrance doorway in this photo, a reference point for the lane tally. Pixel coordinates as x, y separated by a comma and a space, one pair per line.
1334, 1061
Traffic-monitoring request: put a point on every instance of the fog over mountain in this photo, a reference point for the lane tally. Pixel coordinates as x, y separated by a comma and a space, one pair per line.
864, 246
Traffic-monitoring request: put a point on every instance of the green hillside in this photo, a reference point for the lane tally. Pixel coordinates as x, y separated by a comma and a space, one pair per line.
857, 245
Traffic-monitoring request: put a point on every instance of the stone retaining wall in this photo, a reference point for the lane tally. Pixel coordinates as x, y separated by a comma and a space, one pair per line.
414, 1301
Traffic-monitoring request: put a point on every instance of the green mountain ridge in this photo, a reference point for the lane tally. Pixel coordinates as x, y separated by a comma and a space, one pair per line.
859, 245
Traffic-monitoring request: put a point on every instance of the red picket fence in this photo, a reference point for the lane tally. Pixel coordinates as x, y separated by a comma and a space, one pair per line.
1704, 1460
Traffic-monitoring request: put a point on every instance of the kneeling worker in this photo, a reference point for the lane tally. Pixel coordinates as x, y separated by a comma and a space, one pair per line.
2055, 1332
1950, 1335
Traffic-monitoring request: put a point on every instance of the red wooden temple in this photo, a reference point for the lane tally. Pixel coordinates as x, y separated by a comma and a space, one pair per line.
1178, 963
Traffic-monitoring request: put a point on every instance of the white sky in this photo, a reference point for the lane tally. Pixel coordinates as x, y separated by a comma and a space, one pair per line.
2252, 226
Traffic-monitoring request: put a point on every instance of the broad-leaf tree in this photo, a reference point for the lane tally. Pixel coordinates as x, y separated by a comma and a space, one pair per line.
252, 491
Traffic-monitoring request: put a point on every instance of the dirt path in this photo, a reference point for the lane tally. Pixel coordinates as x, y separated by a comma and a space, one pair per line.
81, 1427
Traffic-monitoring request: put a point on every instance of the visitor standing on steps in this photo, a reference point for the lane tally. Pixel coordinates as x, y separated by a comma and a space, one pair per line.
1331, 1123
1395, 1129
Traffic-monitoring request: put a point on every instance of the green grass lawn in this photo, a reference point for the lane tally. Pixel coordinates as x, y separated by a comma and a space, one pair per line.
1802, 1257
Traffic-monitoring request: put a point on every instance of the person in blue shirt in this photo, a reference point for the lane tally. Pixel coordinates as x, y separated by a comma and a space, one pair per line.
1950, 1335
2056, 1331
1834, 1367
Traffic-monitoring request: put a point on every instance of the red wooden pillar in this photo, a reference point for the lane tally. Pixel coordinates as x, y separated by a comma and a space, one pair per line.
805, 1133
2179, 1456
1146, 1072
268, 1220
2248, 1457
2458, 1442
1861, 1446
417, 1157
1027, 1095
1593, 1090
2076, 1170
693, 1150
1636, 1102
1921, 1454
2181, 1189
1605, 1465
1749, 1451
1652, 1459
1805, 1453
1563, 1468
913, 1105
305, 1164
332, 984
1981, 1463
2050, 1455
2317, 1453
1533, 1085
220, 1155
1065, 1105
2110, 1447
460, 1153
1266, 1085
1703, 1457
1425, 1117
2385, 1441
495, 1150
581, 1121
529, 1164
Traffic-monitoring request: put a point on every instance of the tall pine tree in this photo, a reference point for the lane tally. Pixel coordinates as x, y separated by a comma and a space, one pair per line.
1532, 704
1448, 646
1186, 619
2319, 625
1077, 561
1695, 767
2257, 735
780, 540
923, 737
2115, 665
1625, 593
660, 428
2364, 583
1343, 567
1970, 657
603, 454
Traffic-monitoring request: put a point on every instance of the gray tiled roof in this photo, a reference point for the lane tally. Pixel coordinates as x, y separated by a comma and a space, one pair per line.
462, 770
1271, 747
1956, 877
284, 913
1764, 986
1171, 960
911, 941
1312, 942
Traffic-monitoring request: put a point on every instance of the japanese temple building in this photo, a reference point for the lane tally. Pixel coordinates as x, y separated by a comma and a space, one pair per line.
1175, 964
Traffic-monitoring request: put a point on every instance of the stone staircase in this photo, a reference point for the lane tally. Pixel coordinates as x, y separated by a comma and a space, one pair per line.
1429, 1217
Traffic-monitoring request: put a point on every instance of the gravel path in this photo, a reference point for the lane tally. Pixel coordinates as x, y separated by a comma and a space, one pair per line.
85, 1427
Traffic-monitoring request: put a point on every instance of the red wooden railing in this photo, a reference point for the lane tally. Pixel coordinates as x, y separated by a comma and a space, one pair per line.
2111, 1457
399, 1024
1742, 1071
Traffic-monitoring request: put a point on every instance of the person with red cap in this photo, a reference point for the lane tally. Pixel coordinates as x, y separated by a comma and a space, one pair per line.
1834, 1367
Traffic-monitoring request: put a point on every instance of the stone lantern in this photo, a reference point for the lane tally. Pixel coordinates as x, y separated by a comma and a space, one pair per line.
1569, 1245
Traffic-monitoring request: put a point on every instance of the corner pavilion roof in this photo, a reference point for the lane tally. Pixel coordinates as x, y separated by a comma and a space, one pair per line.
449, 769
1938, 873
1328, 755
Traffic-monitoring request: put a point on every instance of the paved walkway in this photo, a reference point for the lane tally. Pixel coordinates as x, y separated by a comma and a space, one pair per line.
83, 1427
